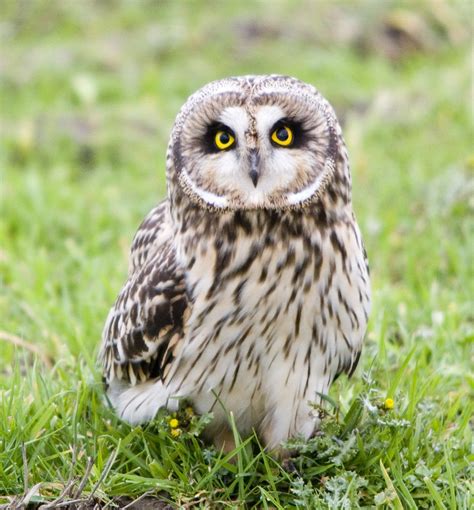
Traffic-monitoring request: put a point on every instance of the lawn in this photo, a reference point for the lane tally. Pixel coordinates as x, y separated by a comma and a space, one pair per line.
88, 94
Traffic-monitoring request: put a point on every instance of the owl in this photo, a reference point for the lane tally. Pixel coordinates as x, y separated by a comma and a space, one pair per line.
248, 286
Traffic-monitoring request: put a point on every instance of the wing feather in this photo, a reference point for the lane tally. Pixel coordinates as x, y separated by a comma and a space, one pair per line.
145, 325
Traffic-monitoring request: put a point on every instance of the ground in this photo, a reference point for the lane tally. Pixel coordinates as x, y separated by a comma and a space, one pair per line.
89, 91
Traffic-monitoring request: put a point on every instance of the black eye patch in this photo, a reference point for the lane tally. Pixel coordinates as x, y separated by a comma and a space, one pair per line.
208, 141
300, 135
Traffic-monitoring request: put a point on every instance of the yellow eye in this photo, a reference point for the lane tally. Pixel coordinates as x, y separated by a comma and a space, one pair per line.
223, 140
283, 136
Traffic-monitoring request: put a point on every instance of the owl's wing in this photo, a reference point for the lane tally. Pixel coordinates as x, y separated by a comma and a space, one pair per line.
146, 322
153, 232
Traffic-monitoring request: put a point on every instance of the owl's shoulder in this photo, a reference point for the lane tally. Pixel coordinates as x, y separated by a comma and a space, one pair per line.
152, 235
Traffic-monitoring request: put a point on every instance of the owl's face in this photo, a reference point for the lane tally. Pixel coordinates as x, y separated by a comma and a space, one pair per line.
256, 142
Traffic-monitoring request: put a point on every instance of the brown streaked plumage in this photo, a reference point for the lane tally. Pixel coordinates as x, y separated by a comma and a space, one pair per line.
248, 288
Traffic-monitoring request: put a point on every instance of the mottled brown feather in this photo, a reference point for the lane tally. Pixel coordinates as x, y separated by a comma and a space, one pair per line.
149, 312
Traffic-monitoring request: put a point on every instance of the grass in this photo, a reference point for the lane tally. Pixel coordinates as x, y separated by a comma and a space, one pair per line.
89, 92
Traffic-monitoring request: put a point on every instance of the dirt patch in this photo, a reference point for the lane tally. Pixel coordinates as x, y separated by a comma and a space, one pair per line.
143, 503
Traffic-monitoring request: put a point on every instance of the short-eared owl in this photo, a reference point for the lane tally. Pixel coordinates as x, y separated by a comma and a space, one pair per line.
248, 287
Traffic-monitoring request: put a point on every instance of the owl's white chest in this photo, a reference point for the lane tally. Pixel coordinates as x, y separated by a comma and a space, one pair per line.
260, 341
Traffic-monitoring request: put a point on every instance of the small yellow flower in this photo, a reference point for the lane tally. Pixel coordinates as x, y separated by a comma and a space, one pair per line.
389, 403
173, 423
189, 412
175, 432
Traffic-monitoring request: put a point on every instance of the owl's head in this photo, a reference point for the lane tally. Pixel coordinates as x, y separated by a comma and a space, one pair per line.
256, 142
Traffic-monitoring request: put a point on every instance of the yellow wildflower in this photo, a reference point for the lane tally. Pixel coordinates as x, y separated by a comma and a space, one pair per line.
189, 412
389, 403
175, 432
173, 423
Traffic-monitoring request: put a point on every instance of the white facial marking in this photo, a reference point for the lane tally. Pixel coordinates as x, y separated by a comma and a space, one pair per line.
266, 117
207, 196
309, 191
236, 118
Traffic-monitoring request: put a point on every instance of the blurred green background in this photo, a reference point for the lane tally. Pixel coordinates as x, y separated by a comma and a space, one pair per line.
88, 94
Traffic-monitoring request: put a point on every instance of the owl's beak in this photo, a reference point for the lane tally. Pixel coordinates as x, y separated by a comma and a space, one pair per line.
254, 160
